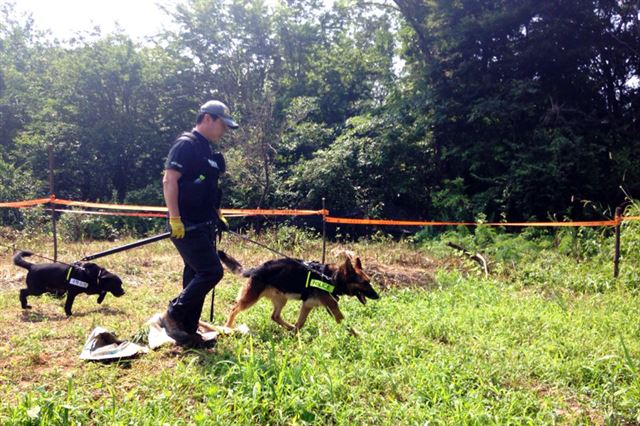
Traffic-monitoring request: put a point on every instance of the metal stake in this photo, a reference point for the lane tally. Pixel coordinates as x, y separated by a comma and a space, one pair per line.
324, 231
616, 254
213, 297
53, 213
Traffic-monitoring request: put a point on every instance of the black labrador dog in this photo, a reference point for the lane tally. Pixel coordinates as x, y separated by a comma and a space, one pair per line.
58, 278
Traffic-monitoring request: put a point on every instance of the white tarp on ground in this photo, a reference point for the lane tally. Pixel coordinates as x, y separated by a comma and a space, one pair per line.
158, 336
103, 345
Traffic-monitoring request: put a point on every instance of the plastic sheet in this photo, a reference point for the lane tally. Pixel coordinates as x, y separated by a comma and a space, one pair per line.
158, 336
103, 345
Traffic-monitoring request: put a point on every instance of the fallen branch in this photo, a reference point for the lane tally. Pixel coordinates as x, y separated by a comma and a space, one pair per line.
475, 257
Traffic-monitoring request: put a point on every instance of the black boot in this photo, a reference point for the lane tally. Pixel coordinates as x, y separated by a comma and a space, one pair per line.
175, 330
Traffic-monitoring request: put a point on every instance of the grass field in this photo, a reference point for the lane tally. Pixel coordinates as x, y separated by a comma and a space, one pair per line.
443, 345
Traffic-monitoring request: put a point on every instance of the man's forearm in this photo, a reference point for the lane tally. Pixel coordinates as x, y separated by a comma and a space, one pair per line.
170, 190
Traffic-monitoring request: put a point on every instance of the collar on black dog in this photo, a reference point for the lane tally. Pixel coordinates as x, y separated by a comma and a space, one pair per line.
79, 283
74, 281
98, 277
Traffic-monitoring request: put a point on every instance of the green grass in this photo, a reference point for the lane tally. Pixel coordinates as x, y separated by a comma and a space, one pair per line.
512, 349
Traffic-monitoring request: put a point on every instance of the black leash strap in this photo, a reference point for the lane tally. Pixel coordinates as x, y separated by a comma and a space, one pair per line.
127, 246
303, 264
15, 250
139, 243
244, 237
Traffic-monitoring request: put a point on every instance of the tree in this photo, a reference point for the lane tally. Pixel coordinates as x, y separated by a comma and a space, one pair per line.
513, 86
99, 113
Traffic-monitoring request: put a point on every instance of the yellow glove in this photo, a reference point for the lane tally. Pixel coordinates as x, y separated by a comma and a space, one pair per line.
223, 225
177, 227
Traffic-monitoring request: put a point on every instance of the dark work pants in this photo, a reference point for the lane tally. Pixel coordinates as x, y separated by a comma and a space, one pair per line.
202, 271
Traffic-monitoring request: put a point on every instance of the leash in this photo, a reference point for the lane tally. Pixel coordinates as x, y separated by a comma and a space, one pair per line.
301, 263
71, 267
313, 282
118, 249
142, 242
14, 249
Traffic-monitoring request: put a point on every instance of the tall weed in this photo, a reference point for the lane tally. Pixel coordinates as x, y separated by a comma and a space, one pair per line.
577, 259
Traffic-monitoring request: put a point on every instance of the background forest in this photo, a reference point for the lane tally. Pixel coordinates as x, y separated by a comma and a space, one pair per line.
415, 109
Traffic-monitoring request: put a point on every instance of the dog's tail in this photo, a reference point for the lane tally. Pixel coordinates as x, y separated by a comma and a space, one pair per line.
248, 272
19, 261
232, 264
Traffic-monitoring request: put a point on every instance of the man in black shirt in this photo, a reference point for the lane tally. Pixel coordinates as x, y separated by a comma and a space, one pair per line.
191, 192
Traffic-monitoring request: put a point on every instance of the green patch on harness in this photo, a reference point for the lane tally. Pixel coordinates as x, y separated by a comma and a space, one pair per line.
319, 284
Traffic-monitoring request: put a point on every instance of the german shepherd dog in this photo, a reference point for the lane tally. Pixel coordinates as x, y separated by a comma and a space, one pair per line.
283, 279
58, 279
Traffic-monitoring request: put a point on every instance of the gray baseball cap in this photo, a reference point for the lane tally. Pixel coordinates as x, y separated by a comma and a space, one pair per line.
219, 109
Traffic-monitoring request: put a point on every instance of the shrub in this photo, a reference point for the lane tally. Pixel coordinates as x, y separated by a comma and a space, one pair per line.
75, 227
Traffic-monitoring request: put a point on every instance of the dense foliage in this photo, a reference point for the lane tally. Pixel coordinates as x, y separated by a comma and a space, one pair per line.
414, 109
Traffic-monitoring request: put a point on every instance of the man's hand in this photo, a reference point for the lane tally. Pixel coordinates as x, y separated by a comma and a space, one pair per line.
177, 227
222, 225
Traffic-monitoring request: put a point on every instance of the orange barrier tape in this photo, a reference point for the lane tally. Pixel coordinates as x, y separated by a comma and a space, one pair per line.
28, 203
107, 206
111, 213
330, 219
233, 213
343, 220
559, 224
245, 212
86, 204
273, 212
127, 207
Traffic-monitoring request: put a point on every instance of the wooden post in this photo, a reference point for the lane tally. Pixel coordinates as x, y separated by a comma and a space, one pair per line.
616, 254
324, 231
53, 207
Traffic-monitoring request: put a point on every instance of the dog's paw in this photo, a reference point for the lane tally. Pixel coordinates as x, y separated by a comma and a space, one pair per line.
26, 307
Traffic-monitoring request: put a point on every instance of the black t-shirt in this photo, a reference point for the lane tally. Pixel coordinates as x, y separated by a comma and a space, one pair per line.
200, 167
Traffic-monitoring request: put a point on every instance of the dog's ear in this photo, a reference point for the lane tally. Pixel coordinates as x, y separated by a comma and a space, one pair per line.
358, 263
348, 266
91, 268
106, 275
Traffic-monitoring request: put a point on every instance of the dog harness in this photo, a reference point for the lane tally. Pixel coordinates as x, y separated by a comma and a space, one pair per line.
312, 282
79, 283
319, 269
74, 281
